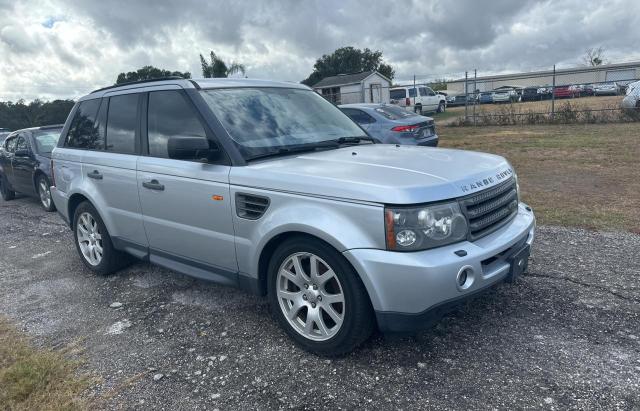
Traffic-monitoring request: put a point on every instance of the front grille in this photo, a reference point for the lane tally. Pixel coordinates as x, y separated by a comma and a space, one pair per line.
490, 209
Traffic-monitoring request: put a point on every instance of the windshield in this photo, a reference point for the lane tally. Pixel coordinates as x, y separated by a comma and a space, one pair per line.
46, 140
267, 120
394, 112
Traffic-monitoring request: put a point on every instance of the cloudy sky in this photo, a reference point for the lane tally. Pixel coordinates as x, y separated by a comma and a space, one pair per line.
65, 48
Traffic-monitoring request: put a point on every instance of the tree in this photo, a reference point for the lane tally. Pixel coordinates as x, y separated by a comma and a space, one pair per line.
347, 60
148, 73
19, 115
438, 84
594, 57
218, 68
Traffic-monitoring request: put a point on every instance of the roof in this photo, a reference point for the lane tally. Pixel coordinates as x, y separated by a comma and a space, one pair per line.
575, 70
344, 79
206, 83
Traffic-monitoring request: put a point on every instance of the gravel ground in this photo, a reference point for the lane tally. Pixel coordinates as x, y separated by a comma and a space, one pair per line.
567, 335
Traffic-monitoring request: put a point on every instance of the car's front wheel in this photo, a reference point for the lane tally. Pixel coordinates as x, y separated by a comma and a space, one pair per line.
44, 192
6, 192
318, 297
94, 243
442, 107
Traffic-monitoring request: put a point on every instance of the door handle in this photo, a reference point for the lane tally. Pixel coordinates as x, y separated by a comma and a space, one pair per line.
95, 174
153, 185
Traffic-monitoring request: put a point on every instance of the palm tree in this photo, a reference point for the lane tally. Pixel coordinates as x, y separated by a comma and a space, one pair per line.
218, 68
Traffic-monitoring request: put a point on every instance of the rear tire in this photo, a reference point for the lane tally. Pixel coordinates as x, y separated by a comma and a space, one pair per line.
94, 243
325, 310
418, 109
6, 193
43, 188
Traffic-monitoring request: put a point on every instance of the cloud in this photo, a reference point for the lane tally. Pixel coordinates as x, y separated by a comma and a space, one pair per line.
62, 48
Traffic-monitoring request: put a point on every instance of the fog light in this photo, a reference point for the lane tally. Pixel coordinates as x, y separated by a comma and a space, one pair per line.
465, 278
462, 278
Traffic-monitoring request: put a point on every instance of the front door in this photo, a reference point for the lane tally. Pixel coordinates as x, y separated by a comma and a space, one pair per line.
375, 93
186, 204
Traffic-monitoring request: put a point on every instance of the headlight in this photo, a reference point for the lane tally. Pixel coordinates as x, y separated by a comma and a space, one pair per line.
420, 228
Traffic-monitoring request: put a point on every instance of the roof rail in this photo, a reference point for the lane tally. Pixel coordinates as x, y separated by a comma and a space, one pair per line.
140, 82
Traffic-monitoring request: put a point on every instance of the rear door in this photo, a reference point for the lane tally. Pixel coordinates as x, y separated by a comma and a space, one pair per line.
363, 119
23, 165
109, 170
186, 203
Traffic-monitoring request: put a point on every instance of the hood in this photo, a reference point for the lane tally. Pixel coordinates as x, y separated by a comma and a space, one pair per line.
378, 173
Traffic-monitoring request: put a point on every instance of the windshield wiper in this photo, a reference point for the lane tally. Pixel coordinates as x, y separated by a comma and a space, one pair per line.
327, 144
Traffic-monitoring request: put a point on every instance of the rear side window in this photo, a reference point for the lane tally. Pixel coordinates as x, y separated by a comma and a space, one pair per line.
358, 116
121, 123
170, 115
412, 92
397, 94
83, 132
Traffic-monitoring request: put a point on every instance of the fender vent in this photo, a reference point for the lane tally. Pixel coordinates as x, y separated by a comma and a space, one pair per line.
250, 206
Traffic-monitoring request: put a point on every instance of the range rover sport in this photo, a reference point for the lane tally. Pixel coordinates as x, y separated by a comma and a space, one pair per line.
268, 187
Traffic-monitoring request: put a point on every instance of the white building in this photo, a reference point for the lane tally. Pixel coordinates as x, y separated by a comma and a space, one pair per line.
363, 87
620, 72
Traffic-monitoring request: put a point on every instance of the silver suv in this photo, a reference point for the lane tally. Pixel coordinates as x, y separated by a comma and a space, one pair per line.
268, 187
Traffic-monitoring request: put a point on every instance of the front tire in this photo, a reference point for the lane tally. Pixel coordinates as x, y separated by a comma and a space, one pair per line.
318, 298
94, 243
441, 107
6, 193
44, 192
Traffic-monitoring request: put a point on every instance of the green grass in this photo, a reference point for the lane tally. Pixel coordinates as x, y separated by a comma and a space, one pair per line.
33, 379
572, 175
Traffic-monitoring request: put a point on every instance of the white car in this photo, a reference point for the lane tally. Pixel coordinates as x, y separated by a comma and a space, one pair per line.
632, 99
420, 99
505, 96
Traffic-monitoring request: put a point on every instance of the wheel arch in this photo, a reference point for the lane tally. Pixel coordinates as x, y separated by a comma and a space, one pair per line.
273, 243
74, 201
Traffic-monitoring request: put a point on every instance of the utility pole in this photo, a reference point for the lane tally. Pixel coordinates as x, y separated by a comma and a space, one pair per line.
415, 92
553, 94
466, 97
475, 89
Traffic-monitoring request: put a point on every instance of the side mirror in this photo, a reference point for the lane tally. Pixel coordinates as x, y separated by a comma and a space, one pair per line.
192, 148
23, 152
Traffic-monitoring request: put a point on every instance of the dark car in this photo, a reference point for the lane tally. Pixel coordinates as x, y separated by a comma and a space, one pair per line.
531, 94
25, 163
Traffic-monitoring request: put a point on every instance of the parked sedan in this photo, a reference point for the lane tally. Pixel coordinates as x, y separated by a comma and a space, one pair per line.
25, 163
393, 124
605, 89
531, 94
458, 100
565, 92
486, 97
505, 96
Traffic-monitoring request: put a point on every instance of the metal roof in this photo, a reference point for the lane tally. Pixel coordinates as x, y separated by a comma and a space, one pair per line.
344, 79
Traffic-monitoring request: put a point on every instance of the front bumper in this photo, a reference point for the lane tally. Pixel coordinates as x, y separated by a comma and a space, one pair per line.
410, 290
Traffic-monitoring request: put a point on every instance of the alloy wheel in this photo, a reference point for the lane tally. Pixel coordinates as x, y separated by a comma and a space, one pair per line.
89, 239
310, 296
45, 193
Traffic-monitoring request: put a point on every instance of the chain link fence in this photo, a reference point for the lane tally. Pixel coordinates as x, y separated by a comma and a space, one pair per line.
608, 93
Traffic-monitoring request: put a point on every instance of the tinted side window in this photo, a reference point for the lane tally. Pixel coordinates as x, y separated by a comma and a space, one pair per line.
121, 124
83, 132
423, 91
412, 92
358, 116
430, 91
170, 115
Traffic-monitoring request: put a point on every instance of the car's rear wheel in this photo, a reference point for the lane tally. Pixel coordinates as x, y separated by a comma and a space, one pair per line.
441, 107
44, 192
318, 297
94, 243
418, 109
6, 193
